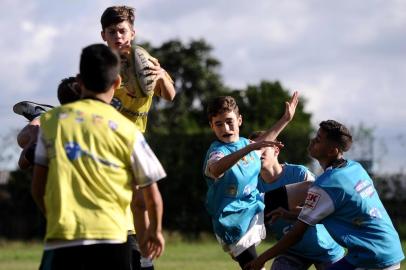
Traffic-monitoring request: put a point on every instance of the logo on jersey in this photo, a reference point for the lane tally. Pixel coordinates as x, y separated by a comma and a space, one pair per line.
113, 125
231, 190
216, 155
364, 188
311, 200
375, 213
116, 103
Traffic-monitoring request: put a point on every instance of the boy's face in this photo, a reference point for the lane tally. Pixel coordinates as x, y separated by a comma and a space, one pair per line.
226, 126
269, 156
119, 36
319, 147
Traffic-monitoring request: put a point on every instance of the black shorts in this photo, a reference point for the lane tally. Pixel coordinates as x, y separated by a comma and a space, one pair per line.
98, 256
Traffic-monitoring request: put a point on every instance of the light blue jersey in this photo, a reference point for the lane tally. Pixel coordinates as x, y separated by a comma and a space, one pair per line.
233, 200
344, 199
316, 244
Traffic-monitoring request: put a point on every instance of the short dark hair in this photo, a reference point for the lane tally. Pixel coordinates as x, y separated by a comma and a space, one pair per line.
99, 68
256, 134
117, 14
220, 105
337, 133
68, 90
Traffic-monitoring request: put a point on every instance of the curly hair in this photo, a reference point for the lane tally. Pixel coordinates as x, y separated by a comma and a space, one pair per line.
337, 133
117, 14
221, 105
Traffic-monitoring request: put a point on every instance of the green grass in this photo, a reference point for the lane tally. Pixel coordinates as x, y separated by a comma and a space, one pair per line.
185, 255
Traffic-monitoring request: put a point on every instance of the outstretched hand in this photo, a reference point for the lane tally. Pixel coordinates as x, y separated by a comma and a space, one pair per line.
290, 106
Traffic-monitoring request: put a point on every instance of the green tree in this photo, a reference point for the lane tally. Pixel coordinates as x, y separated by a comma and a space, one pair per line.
195, 73
262, 105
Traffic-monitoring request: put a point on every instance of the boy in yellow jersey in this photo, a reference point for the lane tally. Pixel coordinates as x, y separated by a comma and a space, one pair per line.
88, 160
119, 33
130, 98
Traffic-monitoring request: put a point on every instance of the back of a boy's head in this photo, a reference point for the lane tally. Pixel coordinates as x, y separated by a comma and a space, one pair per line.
338, 134
68, 90
256, 134
117, 14
220, 105
99, 68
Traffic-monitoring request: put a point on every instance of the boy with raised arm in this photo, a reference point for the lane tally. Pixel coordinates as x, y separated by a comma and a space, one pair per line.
231, 171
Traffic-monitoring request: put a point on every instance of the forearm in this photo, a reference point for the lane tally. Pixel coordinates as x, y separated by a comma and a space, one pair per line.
166, 88
219, 167
139, 211
272, 133
154, 205
291, 238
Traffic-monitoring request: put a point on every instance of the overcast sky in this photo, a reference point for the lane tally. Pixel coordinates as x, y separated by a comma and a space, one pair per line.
347, 58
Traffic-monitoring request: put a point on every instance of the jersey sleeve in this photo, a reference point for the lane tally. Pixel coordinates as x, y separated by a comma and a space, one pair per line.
41, 154
309, 176
146, 167
318, 205
214, 156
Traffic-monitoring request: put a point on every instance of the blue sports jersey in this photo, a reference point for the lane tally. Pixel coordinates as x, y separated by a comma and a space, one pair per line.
233, 199
345, 200
316, 244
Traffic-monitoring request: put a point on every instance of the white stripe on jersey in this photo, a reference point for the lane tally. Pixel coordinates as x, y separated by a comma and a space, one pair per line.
318, 205
146, 167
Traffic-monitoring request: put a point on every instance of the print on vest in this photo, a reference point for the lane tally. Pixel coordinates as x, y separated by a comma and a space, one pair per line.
364, 188
97, 119
244, 161
311, 200
74, 152
116, 103
113, 125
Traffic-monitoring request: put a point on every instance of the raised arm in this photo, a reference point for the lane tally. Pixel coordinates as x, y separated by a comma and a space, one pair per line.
290, 109
216, 168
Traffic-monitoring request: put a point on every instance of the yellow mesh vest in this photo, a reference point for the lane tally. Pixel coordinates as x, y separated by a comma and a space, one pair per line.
88, 188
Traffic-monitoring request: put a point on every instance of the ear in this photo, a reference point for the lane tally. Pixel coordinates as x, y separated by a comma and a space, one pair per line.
333, 152
103, 35
277, 151
211, 124
133, 33
239, 119
117, 82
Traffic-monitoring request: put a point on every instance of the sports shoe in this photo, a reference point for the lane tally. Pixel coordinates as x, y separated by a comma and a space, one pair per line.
30, 110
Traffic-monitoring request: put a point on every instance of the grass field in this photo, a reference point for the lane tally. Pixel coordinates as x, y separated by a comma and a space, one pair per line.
204, 255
